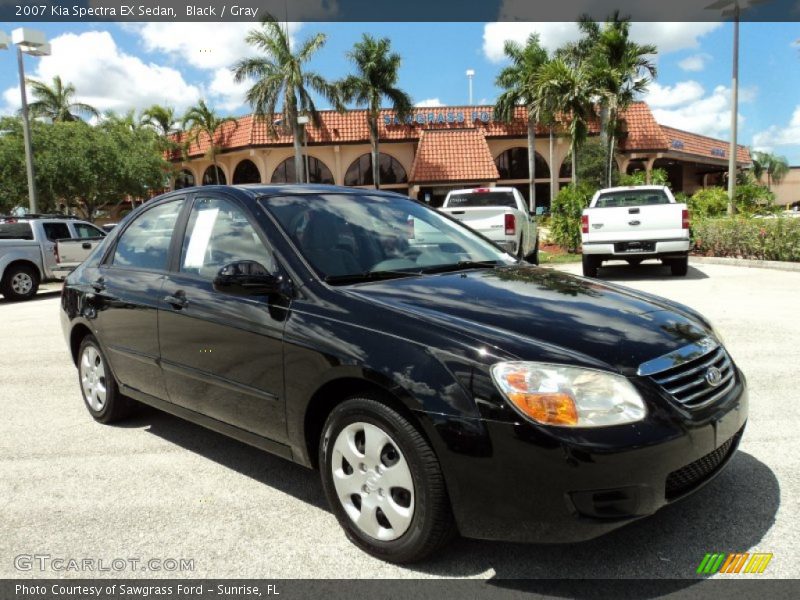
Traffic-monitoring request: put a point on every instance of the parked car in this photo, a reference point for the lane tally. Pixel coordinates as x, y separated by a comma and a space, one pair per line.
38, 248
635, 223
501, 214
439, 386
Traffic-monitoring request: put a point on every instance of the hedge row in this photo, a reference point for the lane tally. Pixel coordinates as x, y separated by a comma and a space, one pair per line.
740, 237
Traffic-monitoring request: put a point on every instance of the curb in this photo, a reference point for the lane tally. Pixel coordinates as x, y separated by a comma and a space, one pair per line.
742, 262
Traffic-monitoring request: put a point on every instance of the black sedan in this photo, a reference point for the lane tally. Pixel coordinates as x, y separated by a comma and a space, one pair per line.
438, 384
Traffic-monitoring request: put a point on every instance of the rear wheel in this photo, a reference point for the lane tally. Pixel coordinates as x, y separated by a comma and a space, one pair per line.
98, 386
679, 266
384, 482
590, 265
20, 282
533, 257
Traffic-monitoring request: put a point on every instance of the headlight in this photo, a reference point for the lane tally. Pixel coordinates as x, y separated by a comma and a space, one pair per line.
568, 396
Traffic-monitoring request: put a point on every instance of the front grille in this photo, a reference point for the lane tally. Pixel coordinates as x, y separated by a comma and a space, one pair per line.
688, 383
692, 475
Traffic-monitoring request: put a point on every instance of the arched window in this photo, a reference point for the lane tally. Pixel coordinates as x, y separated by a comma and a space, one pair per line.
246, 172
565, 172
184, 179
360, 171
318, 172
513, 164
209, 179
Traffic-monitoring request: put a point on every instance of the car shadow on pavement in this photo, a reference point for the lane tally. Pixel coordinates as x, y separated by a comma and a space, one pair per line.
650, 271
730, 514
42, 295
266, 468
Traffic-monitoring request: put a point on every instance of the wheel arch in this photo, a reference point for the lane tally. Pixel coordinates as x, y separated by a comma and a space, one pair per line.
21, 262
76, 336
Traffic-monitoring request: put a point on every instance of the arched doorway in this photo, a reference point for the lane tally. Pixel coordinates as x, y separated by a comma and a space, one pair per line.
246, 172
512, 165
209, 179
184, 179
318, 172
393, 175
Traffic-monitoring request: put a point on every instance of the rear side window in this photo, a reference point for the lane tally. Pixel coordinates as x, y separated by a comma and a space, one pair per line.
631, 198
145, 242
16, 231
482, 200
56, 231
87, 231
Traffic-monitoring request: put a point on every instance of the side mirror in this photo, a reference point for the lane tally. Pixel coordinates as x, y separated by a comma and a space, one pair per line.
247, 278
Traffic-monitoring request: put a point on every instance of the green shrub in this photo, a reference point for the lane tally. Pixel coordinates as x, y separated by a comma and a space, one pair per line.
742, 237
710, 202
565, 215
657, 177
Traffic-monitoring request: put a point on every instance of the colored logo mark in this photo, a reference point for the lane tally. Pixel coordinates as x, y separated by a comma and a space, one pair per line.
734, 563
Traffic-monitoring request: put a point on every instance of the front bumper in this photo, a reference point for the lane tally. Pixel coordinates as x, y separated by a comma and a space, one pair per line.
530, 487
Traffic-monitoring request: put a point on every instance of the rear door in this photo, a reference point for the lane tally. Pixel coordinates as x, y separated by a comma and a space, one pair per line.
127, 288
222, 355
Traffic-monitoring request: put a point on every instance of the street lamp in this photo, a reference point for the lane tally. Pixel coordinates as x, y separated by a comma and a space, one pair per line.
470, 75
736, 7
303, 120
34, 43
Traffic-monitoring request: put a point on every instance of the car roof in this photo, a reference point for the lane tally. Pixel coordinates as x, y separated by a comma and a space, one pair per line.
483, 189
257, 190
627, 188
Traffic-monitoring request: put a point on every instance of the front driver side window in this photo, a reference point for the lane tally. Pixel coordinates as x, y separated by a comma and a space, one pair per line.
145, 242
218, 233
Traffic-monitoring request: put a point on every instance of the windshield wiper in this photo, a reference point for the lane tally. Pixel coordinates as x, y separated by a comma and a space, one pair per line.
461, 265
367, 276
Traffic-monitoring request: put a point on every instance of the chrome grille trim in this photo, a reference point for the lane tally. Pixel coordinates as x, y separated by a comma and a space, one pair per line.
686, 382
678, 357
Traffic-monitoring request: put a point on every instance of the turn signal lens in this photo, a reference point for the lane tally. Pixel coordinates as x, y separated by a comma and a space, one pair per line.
568, 396
550, 409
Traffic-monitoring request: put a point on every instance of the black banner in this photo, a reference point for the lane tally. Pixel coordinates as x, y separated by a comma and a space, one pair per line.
391, 10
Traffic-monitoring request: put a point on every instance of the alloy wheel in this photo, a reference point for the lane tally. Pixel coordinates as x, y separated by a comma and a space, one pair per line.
93, 378
22, 283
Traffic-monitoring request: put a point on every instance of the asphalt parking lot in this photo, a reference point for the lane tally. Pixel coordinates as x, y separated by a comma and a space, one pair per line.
158, 487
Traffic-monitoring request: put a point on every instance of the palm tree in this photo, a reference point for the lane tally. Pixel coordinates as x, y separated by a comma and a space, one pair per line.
55, 103
519, 81
281, 77
201, 119
566, 89
774, 166
619, 70
376, 79
161, 118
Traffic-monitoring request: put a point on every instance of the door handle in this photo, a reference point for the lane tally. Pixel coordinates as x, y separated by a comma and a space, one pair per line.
86, 246
177, 300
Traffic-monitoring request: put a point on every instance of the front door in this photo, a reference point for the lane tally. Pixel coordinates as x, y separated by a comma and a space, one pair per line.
222, 355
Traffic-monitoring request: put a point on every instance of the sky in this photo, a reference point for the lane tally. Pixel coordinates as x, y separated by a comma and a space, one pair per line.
120, 66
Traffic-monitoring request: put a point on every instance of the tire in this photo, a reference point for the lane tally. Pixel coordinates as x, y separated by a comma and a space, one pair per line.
533, 257
20, 282
590, 265
98, 386
416, 510
679, 266
521, 249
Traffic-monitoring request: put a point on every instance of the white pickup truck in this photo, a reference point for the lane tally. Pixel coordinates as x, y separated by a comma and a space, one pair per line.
635, 223
34, 249
499, 214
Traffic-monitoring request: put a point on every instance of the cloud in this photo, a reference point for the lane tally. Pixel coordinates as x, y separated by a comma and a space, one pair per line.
668, 37
664, 96
227, 94
788, 135
111, 79
696, 62
687, 106
429, 103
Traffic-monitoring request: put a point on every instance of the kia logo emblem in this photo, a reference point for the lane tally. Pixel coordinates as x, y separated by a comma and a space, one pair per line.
714, 376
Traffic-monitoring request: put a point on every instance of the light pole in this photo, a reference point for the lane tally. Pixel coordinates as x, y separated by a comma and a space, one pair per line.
303, 120
33, 42
470, 75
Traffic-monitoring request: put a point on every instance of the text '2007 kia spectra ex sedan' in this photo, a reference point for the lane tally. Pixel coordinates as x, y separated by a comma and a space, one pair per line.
438, 384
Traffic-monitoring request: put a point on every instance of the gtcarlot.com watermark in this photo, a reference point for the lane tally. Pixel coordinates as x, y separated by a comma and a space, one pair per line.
47, 563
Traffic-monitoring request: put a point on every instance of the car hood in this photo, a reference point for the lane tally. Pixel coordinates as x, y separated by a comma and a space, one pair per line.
536, 313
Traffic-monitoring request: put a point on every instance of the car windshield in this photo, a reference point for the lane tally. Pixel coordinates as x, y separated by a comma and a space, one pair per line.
481, 199
631, 198
349, 238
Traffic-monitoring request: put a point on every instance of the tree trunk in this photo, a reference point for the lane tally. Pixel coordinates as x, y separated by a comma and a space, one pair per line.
216, 167
574, 160
610, 160
611, 138
532, 165
553, 175
299, 172
376, 155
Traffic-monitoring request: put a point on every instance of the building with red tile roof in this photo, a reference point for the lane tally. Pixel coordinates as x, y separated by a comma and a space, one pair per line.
437, 149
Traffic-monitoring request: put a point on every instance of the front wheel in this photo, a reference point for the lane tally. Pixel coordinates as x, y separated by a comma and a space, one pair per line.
590, 265
384, 482
20, 282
